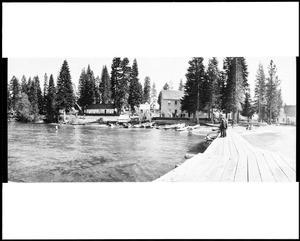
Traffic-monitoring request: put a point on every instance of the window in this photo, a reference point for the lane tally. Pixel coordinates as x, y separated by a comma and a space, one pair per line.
175, 102
169, 102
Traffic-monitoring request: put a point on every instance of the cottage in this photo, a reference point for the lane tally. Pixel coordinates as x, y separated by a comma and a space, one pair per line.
143, 111
287, 115
100, 109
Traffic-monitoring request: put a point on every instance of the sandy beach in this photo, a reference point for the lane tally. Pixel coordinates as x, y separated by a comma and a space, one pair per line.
279, 139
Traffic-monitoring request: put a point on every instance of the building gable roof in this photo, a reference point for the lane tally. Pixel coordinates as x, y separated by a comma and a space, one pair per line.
171, 94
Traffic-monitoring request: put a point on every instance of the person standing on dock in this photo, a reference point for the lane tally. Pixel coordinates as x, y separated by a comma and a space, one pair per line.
223, 126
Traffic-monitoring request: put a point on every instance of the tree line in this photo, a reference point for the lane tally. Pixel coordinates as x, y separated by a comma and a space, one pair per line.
226, 90
121, 88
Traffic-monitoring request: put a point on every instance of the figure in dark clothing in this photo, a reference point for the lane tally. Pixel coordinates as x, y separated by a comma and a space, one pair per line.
232, 123
223, 127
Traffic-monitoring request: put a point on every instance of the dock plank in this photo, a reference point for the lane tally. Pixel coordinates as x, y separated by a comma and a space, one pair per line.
241, 174
276, 170
234, 159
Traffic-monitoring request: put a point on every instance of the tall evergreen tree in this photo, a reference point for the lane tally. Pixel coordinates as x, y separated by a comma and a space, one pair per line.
82, 89
135, 88
39, 94
33, 98
105, 86
115, 78
181, 86
153, 94
147, 89
15, 92
90, 86
120, 78
247, 109
65, 98
97, 90
213, 86
51, 105
260, 93
45, 93
24, 87
190, 102
236, 84
272, 91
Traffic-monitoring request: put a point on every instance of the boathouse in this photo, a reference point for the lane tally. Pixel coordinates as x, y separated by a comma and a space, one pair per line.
100, 109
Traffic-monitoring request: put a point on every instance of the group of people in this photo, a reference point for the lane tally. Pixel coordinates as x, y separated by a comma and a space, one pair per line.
223, 126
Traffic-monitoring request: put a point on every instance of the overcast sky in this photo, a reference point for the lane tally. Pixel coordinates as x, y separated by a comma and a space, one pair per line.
160, 70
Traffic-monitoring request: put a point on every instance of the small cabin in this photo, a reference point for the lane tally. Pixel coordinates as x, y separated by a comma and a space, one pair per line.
100, 109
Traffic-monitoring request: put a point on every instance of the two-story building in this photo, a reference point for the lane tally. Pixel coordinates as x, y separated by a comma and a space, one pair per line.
170, 103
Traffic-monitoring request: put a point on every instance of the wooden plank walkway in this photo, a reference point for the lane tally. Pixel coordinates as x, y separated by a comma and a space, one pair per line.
233, 159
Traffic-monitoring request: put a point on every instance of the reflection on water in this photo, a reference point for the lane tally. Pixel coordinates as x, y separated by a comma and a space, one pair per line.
39, 153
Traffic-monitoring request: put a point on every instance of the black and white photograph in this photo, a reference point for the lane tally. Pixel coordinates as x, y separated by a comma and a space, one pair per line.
173, 120
226, 119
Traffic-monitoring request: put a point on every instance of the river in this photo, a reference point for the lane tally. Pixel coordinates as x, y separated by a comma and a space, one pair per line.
39, 153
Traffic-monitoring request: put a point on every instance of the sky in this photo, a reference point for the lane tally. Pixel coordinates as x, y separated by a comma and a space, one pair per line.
160, 70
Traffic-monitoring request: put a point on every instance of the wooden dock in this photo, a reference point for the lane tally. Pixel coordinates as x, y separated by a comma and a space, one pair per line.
233, 159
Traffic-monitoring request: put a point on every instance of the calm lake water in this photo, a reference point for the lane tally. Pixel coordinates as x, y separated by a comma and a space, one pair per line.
39, 153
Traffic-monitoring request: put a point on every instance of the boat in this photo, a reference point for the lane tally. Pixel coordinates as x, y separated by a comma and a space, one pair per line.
180, 125
127, 125
185, 128
193, 127
138, 126
148, 124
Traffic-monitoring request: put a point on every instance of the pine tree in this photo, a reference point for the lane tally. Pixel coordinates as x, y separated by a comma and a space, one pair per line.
181, 86
135, 88
247, 109
65, 98
260, 93
24, 85
33, 98
51, 106
147, 89
15, 92
105, 86
236, 84
82, 89
115, 78
120, 78
45, 93
124, 83
272, 90
190, 102
213, 86
153, 94
97, 90
39, 94
90, 86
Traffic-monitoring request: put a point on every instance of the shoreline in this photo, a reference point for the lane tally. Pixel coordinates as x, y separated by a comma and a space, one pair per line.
278, 139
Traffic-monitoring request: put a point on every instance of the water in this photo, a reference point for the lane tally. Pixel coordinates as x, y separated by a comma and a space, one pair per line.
39, 153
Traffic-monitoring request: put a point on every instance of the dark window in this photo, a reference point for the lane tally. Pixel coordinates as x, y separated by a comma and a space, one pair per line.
175, 102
